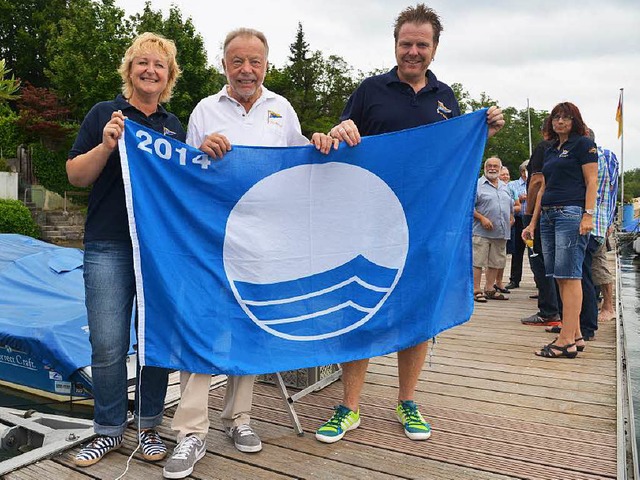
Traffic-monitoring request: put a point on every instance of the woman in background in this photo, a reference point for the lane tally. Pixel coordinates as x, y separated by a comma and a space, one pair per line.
565, 206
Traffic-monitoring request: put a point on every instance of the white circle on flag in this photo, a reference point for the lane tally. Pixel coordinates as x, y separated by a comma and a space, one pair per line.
292, 237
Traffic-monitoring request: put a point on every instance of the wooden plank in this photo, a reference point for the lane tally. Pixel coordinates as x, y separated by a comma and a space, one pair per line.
45, 470
277, 459
497, 411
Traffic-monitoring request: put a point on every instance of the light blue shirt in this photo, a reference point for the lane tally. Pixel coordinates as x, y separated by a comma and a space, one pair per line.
519, 187
497, 205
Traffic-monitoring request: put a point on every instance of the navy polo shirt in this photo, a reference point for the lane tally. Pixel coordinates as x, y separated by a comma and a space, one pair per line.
383, 103
562, 170
107, 213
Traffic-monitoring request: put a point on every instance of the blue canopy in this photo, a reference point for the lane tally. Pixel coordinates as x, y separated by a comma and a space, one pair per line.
42, 310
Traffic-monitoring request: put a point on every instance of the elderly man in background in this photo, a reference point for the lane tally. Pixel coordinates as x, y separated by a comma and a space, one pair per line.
492, 219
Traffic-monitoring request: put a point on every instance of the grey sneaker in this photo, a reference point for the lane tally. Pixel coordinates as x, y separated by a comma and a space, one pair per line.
245, 438
184, 457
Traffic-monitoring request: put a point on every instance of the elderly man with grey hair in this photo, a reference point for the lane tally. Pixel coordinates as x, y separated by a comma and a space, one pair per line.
518, 190
244, 112
492, 219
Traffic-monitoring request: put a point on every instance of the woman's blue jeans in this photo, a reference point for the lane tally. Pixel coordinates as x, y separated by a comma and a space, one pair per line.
562, 245
110, 290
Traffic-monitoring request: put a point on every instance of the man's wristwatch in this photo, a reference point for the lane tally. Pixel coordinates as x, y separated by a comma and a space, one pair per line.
589, 211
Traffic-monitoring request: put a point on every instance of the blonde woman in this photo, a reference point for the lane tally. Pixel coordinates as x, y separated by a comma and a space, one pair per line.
149, 72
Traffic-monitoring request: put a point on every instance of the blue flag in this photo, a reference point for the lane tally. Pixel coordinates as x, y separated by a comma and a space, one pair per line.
275, 259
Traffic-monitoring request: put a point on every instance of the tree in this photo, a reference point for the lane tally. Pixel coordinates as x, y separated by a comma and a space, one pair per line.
198, 80
317, 88
26, 26
43, 116
87, 53
511, 144
631, 185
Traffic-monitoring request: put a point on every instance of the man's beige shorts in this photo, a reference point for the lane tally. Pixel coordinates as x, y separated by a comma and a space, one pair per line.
600, 271
489, 252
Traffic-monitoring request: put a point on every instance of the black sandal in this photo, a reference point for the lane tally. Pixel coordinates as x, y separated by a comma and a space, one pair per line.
500, 289
549, 351
580, 348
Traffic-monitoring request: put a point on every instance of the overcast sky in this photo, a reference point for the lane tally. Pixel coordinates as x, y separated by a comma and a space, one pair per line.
543, 50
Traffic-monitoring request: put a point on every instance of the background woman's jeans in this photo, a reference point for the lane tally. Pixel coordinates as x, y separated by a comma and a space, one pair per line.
562, 244
548, 296
109, 291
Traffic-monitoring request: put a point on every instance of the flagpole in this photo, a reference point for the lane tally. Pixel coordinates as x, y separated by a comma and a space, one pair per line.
621, 131
529, 123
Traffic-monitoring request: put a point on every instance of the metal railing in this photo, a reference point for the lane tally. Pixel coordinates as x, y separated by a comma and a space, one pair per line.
71, 193
24, 200
627, 451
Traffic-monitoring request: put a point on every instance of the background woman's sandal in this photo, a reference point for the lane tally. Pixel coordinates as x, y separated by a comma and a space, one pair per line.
551, 351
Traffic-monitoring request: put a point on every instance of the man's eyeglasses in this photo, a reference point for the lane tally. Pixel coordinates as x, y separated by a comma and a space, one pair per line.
557, 118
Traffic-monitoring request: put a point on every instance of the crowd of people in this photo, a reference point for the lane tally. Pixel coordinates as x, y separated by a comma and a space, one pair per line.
553, 200
563, 206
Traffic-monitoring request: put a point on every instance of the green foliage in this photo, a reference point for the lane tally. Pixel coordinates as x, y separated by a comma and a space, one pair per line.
50, 168
8, 86
511, 144
85, 57
198, 80
631, 185
26, 26
317, 87
16, 218
76, 46
4, 166
10, 136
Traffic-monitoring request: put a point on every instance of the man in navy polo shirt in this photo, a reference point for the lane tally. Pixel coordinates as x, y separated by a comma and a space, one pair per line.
408, 96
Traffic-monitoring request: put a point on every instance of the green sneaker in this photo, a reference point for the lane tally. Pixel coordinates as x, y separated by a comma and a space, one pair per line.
414, 425
342, 421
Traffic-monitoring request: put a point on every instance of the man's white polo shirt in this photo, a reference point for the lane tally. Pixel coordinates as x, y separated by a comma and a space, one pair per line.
271, 122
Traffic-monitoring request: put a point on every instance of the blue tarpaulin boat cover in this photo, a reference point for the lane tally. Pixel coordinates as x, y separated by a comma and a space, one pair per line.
42, 308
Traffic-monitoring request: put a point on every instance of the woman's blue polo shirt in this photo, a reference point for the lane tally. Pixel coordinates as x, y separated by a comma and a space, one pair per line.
107, 212
562, 170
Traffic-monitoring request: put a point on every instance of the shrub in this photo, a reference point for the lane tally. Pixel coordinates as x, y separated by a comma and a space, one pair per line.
4, 166
49, 168
10, 136
16, 218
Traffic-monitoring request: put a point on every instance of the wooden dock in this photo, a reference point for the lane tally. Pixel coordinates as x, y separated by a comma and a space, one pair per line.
497, 412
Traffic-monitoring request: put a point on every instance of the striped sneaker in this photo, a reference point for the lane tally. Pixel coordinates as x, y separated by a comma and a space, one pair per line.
153, 448
96, 449
340, 423
414, 425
